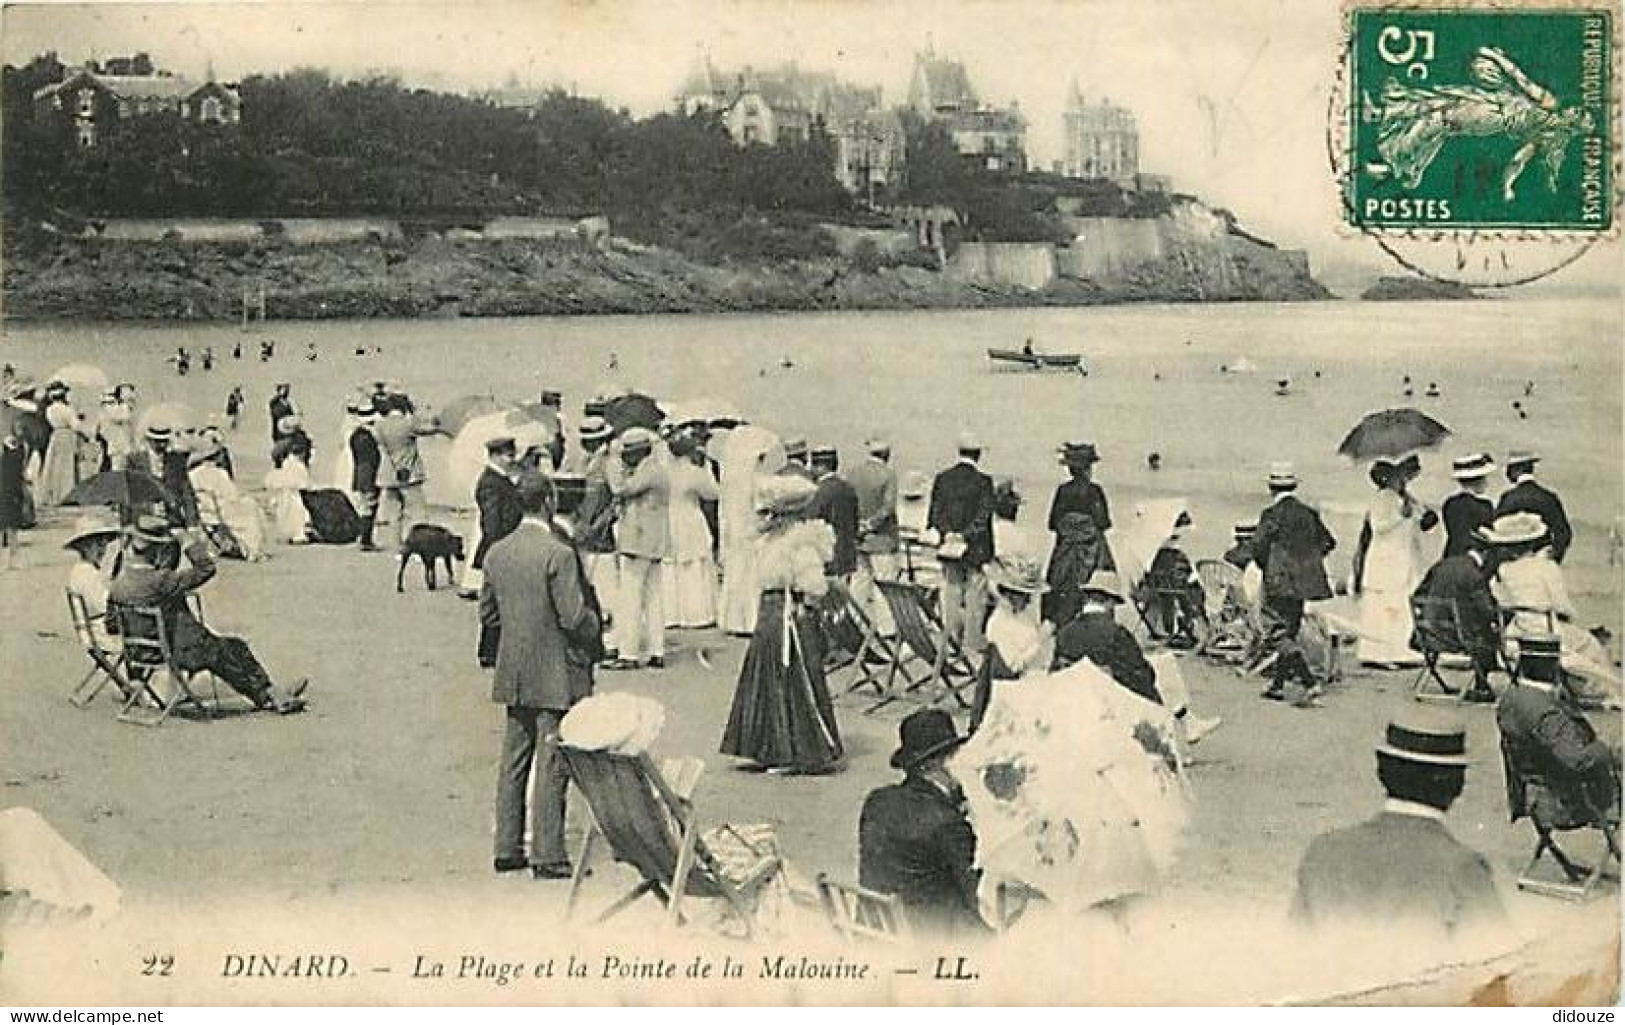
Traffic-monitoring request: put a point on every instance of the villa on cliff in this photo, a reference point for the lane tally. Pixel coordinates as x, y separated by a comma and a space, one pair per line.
91, 99
940, 90
776, 106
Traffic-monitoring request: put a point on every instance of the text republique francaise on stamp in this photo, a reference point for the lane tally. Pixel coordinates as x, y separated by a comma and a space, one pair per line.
1481, 118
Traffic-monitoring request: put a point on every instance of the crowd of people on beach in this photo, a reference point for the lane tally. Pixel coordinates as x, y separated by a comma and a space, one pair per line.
591, 540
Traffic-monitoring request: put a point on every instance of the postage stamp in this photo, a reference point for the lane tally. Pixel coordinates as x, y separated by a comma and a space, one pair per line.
1481, 119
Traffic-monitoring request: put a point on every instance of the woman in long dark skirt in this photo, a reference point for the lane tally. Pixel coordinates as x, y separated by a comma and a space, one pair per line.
782, 718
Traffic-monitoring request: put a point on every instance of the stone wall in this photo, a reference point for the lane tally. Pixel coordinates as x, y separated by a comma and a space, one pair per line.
1029, 265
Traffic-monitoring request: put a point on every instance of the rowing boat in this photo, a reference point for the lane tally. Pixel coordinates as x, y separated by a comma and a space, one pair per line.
1037, 360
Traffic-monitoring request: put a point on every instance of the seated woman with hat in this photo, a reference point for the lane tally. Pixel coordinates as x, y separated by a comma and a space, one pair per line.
223, 505
1528, 584
1019, 642
95, 541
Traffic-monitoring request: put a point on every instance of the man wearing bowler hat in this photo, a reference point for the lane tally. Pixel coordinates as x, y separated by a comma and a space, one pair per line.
1469, 509
1402, 872
961, 514
1528, 495
914, 838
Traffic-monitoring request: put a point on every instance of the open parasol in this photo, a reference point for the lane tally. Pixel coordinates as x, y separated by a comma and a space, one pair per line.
1390, 433
456, 414
127, 489
82, 378
467, 457
1074, 788
633, 410
177, 416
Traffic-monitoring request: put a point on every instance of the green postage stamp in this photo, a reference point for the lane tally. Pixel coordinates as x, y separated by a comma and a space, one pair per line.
1473, 118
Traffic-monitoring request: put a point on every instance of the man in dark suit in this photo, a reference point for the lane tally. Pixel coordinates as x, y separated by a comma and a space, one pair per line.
1290, 545
497, 501
535, 590
1558, 771
1464, 581
914, 839
1469, 509
365, 460
1527, 495
836, 503
961, 513
1402, 873
280, 408
152, 577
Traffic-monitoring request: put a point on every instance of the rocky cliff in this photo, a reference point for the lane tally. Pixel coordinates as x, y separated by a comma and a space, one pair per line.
61, 277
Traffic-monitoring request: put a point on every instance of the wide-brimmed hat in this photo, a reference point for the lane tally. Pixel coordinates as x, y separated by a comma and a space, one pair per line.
1514, 529
927, 732
91, 525
784, 494
1472, 467
1104, 582
822, 453
1246, 529
637, 439
1522, 457
795, 448
159, 432
593, 428
1283, 476
1018, 571
1078, 453
915, 486
1429, 736
149, 529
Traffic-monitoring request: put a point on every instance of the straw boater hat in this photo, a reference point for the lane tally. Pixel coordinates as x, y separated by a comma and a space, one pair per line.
1522, 457
1104, 583
795, 448
1474, 467
593, 428
1247, 529
637, 439
501, 443
877, 446
366, 412
1283, 477
968, 443
1424, 735
90, 526
1017, 572
1514, 529
822, 453
159, 432
784, 494
927, 732
1078, 453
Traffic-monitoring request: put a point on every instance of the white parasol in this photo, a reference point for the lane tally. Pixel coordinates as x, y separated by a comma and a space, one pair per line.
468, 456
1074, 788
1135, 543
85, 381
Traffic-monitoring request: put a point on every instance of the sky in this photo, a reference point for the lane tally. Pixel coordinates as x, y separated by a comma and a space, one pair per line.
1231, 97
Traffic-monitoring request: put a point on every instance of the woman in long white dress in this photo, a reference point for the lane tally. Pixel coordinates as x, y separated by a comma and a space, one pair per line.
749, 453
691, 577
1388, 565
290, 521
60, 470
220, 501
1529, 584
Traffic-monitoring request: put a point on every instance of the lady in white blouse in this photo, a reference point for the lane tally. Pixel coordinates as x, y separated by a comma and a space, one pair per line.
691, 571
1019, 641
1528, 585
782, 718
220, 502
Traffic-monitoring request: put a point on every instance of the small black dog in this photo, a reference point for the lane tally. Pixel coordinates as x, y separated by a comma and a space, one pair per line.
431, 544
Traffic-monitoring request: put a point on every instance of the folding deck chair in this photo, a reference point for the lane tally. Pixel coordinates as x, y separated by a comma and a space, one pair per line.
104, 667
858, 915
1230, 628
1437, 631
651, 827
1573, 813
873, 644
147, 655
923, 641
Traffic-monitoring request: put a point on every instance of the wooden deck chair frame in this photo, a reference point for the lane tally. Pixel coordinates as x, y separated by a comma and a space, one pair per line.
1436, 625
104, 662
877, 677
1581, 881
1508, 642
858, 915
147, 652
1227, 616
921, 638
649, 826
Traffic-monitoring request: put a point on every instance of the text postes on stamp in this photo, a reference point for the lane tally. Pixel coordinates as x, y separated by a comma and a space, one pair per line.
1481, 119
